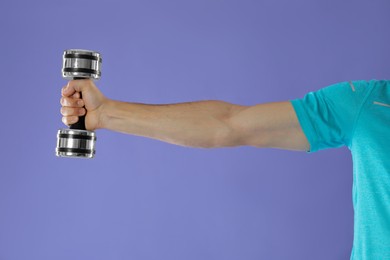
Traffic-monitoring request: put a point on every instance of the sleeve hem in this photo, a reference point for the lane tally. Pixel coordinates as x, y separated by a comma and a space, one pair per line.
306, 124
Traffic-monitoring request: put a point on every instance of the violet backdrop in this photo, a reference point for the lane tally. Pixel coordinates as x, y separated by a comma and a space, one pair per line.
147, 200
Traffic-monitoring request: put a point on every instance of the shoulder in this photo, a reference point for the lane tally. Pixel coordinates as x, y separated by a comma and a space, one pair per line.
346, 89
328, 114
380, 85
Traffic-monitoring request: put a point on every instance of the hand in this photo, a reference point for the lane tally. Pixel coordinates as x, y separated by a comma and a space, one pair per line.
90, 105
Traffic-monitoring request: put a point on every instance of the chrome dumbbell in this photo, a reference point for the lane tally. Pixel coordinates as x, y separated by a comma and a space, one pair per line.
76, 141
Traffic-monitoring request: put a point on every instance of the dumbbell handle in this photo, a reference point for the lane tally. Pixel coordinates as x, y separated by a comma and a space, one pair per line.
79, 125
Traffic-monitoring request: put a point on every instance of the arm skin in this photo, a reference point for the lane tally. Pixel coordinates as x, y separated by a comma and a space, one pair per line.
203, 124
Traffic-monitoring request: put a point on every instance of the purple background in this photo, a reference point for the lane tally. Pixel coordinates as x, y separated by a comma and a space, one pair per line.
144, 199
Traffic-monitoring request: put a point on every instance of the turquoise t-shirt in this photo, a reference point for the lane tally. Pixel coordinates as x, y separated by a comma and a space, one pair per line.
357, 114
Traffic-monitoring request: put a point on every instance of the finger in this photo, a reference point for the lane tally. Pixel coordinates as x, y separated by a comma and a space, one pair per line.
70, 120
76, 95
72, 111
75, 86
67, 91
71, 102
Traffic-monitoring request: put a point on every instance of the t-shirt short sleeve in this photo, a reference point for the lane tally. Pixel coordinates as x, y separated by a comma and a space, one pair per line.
327, 116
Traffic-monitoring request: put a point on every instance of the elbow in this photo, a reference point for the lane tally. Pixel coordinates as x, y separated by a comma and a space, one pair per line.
224, 137
216, 137
227, 135
239, 132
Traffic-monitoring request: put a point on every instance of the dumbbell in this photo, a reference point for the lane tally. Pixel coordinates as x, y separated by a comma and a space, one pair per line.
76, 141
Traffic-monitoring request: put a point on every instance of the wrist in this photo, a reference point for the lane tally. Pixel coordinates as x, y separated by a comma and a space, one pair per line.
104, 113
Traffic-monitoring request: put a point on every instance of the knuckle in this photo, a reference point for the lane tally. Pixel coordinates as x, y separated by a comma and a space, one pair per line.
67, 111
63, 90
65, 101
65, 120
68, 120
73, 119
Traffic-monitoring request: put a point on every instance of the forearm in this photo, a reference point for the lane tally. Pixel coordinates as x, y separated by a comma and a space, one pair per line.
196, 124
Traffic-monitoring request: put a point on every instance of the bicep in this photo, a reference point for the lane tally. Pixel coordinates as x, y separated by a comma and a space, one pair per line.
268, 125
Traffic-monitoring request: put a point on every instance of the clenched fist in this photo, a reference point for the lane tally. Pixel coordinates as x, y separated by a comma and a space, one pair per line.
90, 105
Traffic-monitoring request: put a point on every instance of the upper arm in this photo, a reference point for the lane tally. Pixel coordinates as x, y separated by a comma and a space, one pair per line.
268, 125
326, 119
